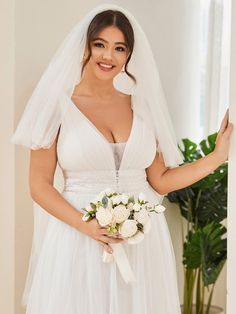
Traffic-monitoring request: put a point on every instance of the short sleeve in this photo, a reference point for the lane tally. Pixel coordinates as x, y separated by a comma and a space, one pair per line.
38, 129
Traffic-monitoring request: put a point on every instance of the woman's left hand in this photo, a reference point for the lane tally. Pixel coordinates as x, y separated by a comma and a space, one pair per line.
223, 138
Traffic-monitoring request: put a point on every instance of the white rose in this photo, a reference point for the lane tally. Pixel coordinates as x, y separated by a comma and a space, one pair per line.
120, 213
147, 226
100, 207
109, 191
116, 199
104, 216
128, 228
142, 216
136, 207
142, 197
159, 208
148, 206
124, 198
138, 237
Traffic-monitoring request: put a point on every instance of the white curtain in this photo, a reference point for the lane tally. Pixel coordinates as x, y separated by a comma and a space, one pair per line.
215, 52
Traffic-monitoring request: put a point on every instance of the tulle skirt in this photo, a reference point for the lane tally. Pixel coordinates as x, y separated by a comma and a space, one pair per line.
71, 278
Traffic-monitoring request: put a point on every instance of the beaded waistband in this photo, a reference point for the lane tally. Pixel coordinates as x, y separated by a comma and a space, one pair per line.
97, 180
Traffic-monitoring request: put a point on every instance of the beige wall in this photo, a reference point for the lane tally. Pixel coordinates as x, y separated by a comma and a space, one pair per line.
40, 26
7, 210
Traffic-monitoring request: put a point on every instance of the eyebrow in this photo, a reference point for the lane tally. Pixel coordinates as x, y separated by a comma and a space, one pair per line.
117, 43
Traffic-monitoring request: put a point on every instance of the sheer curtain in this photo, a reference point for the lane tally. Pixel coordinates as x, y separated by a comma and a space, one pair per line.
215, 66
215, 53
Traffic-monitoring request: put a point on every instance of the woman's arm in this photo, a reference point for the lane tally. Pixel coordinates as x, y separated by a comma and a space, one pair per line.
42, 170
177, 178
165, 180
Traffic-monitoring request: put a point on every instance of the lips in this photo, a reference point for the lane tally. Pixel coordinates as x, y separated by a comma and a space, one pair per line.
105, 66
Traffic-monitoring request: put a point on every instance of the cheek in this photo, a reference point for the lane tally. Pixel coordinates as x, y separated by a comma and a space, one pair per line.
95, 54
121, 58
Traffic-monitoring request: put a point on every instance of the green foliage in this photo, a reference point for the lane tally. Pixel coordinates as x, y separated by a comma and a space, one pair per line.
203, 205
204, 248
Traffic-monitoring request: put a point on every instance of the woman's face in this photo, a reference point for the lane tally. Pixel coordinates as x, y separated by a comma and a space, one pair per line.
109, 53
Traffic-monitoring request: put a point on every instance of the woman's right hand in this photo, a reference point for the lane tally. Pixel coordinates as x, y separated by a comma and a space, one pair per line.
100, 234
223, 139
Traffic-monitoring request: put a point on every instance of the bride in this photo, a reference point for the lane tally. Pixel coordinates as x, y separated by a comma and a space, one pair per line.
100, 114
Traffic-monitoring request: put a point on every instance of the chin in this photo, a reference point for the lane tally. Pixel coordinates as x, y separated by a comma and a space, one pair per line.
105, 76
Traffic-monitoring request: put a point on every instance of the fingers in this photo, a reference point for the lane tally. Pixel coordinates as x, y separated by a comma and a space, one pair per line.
226, 116
229, 130
107, 239
224, 122
104, 231
106, 246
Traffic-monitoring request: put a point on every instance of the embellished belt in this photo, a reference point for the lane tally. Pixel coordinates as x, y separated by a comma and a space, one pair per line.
97, 180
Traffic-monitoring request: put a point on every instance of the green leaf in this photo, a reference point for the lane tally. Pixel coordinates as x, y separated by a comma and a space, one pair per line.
105, 201
190, 150
205, 248
207, 146
192, 252
184, 198
93, 206
212, 205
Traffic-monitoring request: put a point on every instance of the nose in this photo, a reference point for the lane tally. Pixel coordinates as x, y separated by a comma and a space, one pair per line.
107, 54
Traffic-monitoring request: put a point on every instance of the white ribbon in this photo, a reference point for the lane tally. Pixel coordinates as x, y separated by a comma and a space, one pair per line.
121, 260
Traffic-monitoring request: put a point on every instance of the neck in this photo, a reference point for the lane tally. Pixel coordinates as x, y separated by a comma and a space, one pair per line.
91, 85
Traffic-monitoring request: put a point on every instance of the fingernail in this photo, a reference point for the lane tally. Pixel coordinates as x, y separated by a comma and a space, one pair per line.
110, 250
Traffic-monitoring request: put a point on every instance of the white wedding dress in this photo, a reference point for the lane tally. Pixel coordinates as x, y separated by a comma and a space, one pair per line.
70, 276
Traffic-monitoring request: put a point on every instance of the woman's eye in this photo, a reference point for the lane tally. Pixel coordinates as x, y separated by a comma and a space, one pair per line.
120, 48
101, 45
98, 45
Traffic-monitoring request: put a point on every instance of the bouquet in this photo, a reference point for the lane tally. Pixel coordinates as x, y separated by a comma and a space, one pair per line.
123, 214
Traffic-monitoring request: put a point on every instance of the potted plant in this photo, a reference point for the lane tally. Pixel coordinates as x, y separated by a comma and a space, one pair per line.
203, 206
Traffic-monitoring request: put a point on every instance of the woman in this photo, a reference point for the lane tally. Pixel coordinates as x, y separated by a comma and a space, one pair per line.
102, 136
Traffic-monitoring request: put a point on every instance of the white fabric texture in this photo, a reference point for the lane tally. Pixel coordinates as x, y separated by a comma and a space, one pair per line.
70, 276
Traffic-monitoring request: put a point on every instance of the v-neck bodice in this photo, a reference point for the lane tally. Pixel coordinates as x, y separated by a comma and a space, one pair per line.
81, 147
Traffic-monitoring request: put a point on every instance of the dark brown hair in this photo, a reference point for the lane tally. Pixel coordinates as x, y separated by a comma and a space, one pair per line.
111, 18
